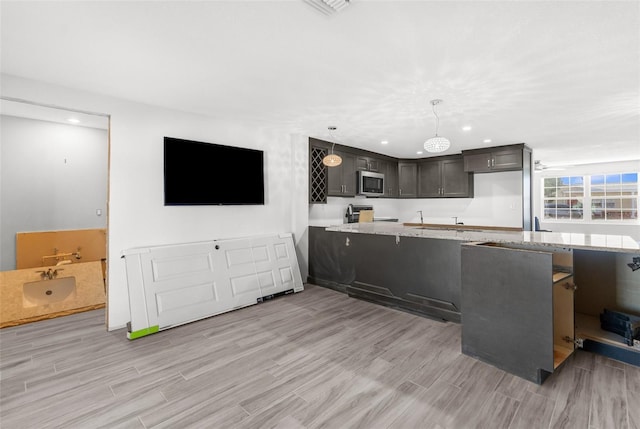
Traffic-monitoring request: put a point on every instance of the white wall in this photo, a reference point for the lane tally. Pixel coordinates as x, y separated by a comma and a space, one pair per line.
53, 176
137, 216
497, 202
631, 229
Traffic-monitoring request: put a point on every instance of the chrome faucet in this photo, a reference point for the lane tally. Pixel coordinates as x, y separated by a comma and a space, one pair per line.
455, 220
421, 220
49, 274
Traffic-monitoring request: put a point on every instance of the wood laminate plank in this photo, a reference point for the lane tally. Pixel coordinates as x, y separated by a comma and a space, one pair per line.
218, 381
287, 379
534, 411
609, 398
633, 393
497, 412
51, 410
513, 387
58, 386
429, 407
273, 415
185, 403
436, 361
465, 408
383, 411
313, 359
573, 399
144, 383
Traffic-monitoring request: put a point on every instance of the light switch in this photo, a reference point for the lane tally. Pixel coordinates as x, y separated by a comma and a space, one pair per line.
98, 212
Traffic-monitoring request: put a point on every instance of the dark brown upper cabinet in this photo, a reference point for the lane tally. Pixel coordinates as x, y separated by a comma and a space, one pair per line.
444, 177
500, 158
342, 179
408, 179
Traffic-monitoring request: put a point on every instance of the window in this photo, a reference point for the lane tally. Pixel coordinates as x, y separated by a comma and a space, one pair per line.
614, 196
563, 197
607, 197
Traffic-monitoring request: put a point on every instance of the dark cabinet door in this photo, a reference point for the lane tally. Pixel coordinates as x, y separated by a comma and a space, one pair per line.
391, 179
335, 185
375, 165
407, 179
497, 312
506, 160
341, 180
362, 163
444, 178
429, 179
477, 163
349, 174
456, 183
369, 164
497, 160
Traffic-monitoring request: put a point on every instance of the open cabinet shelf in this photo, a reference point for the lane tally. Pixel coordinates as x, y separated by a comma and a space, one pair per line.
588, 328
560, 354
560, 275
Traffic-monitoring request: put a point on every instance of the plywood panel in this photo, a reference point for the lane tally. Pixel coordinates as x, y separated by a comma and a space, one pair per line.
47, 248
563, 323
365, 216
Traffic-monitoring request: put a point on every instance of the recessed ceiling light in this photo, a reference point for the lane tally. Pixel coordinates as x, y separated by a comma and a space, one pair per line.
419, 152
74, 120
486, 141
466, 128
384, 142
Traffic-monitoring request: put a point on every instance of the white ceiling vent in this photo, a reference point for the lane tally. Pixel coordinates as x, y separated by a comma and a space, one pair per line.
328, 7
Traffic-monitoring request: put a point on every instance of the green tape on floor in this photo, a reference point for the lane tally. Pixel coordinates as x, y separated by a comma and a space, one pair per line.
143, 332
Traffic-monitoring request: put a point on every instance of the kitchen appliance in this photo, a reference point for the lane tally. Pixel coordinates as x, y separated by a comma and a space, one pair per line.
353, 212
370, 184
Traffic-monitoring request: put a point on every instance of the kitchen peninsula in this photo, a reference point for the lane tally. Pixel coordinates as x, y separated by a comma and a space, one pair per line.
513, 291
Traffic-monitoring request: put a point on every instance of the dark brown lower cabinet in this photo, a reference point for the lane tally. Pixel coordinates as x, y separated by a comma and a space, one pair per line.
518, 307
421, 275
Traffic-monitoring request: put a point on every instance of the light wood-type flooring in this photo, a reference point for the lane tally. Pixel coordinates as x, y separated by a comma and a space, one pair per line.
316, 359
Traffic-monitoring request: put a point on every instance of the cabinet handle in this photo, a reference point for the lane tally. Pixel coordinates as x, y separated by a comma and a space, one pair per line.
399, 191
493, 162
488, 163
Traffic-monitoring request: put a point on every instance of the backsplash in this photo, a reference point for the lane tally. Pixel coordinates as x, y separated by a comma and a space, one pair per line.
497, 202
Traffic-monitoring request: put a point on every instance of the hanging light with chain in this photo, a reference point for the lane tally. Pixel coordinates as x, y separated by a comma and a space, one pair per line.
437, 143
332, 160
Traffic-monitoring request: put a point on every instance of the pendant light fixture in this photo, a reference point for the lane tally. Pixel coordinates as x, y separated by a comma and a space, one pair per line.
332, 160
437, 143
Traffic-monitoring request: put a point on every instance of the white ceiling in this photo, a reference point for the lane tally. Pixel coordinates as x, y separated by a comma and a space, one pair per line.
51, 114
563, 77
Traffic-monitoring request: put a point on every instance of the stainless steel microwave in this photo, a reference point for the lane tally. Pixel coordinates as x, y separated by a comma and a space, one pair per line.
370, 184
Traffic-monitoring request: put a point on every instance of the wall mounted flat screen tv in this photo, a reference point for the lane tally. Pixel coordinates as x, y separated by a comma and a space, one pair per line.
199, 173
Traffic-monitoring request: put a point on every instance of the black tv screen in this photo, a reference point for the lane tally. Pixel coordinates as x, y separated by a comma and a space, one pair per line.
198, 173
